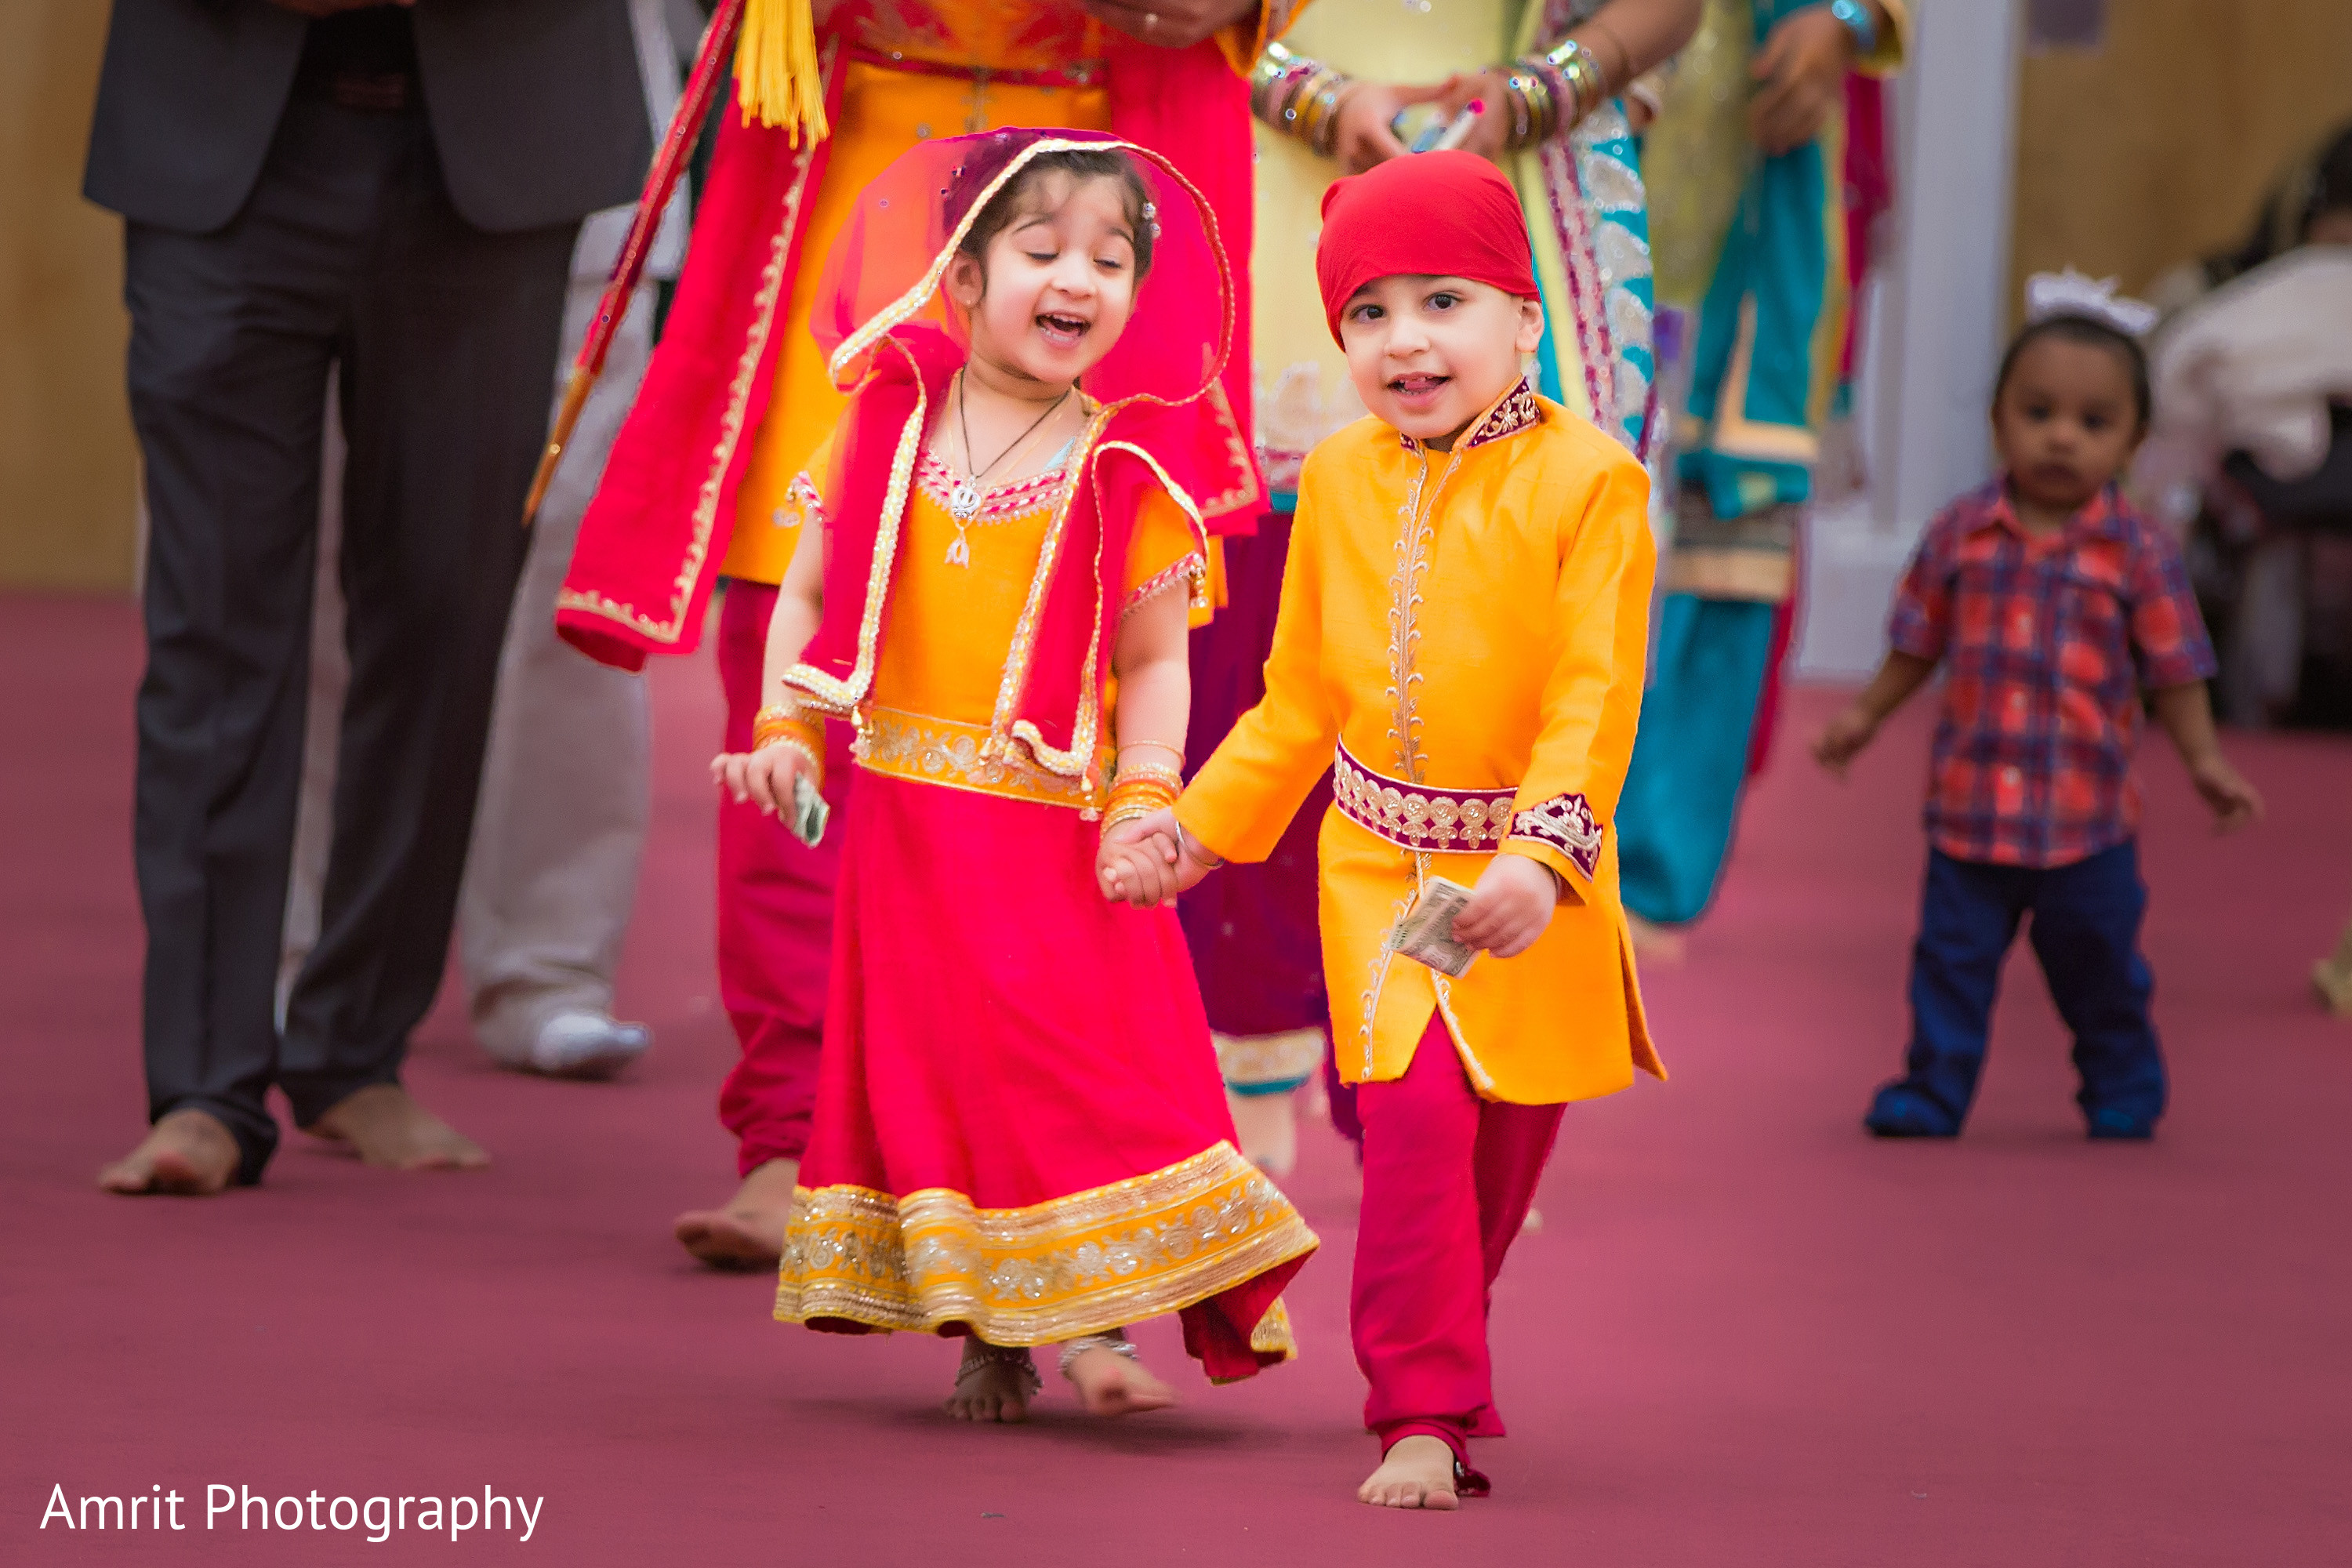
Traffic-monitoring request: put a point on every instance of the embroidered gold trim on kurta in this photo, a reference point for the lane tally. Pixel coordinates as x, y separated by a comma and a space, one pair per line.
841, 698
1516, 410
730, 422
1079, 1264
956, 755
1193, 572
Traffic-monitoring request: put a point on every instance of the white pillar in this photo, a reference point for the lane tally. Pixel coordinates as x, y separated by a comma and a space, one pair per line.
1957, 116
1938, 321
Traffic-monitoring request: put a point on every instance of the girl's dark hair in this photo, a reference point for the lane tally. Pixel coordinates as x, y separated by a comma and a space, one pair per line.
1017, 198
2091, 333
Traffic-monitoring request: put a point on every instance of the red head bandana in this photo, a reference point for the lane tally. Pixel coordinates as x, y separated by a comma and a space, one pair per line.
1441, 215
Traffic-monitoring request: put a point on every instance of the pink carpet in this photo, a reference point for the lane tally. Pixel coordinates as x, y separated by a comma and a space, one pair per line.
1747, 1334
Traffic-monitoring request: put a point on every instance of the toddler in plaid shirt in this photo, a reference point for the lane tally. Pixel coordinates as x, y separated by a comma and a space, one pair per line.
2051, 603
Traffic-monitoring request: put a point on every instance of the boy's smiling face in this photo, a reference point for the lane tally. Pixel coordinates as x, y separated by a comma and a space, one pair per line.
1428, 354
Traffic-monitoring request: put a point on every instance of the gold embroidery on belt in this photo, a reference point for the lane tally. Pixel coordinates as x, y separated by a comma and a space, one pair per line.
1420, 817
949, 752
1078, 1265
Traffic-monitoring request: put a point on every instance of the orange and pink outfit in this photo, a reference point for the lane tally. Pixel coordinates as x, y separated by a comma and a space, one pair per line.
1020, 1130
1460, 643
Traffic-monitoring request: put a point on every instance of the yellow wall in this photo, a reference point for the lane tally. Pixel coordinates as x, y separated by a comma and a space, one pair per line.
68, 473
2157, 146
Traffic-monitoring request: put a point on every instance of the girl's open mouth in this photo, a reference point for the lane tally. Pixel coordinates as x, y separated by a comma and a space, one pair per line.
1062, 329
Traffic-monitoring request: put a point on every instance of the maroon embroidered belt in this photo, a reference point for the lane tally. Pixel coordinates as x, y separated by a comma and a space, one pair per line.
1416, 817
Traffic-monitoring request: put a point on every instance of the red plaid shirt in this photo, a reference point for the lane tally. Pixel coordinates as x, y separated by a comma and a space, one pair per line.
2046, 643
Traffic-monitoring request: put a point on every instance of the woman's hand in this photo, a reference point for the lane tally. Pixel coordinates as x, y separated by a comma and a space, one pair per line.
1363, 136
1491, 132
763, 777
1802, 68
1511, 906
1170, 24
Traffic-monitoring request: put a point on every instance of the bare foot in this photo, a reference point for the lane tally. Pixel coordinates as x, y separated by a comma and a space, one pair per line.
1655, 944
993, 1384
1418, 1472
1109, 1384
385, 1126
747, 1234
189, 1153
1268, 1126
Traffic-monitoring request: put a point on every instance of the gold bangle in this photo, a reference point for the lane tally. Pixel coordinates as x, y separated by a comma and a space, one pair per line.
1133, 799
1157, 772
785, 724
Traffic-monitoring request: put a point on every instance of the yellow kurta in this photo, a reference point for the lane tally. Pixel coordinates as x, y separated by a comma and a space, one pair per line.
949, 626
1476, 620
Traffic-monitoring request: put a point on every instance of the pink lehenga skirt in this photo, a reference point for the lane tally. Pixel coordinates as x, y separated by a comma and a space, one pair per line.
1021, 1131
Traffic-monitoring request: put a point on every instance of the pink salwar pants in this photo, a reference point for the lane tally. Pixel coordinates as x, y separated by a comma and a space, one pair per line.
1447, 1181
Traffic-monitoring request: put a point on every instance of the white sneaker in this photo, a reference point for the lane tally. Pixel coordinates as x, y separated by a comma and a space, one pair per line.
584, 1045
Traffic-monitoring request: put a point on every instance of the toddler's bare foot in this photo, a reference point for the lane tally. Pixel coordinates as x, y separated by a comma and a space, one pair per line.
1110, 1380
385, 1126
995, 1383
1268, 1126
1418, 1472
189, 1153
747, 1234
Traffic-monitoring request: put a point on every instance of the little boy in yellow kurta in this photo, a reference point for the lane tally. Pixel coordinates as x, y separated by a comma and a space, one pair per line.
1461, 640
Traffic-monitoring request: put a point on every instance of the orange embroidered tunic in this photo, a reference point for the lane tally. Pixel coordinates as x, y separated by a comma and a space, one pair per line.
1461, 640
934, 692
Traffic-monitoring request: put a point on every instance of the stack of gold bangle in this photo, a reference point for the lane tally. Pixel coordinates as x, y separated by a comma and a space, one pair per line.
785, 724
1138, 790
1298, 96
1553, 91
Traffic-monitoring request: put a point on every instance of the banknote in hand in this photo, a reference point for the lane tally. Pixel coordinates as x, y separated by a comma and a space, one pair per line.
1426, 934
809, 811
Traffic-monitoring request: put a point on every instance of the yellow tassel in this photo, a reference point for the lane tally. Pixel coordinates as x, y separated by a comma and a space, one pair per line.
778, 78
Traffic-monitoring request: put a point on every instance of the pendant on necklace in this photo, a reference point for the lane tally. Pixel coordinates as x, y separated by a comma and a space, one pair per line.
959, 548
963, 501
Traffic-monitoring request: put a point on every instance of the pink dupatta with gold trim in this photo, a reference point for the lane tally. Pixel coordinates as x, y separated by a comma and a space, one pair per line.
650, 544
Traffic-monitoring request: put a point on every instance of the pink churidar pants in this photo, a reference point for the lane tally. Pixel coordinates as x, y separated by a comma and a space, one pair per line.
1447, 1181
775, 917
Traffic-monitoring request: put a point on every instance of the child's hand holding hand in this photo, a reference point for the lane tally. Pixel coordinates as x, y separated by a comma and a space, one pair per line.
1177, 858
1510, 907
1843, 737
763, 777
2236, 803
1137, 865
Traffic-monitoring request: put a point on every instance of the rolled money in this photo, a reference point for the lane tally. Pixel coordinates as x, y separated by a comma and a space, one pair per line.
809, 811
1426, 934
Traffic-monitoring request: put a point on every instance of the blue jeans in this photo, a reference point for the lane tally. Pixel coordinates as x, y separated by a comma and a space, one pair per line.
2086, 933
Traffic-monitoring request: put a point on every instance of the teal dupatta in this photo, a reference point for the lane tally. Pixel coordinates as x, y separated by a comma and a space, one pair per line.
1764, 358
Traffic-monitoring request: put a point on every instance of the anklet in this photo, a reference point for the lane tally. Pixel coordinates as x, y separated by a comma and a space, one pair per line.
978, 1353
1118, 1344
